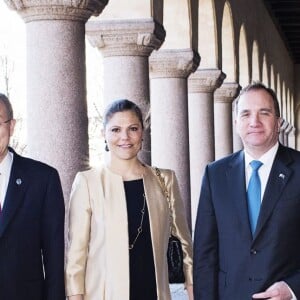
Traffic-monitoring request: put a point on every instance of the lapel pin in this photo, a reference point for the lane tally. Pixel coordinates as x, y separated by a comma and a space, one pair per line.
18, 181
282, 176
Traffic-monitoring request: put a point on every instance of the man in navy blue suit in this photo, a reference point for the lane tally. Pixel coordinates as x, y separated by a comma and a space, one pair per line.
234, 260
31, 223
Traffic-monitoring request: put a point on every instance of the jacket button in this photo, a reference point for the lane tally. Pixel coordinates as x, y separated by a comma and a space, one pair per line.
253, 251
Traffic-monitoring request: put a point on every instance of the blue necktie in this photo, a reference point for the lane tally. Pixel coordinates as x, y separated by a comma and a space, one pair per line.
254, 194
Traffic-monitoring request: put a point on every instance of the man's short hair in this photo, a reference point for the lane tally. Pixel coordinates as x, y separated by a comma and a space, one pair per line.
8, 106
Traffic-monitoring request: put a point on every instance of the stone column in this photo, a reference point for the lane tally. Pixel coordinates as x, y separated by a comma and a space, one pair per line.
287, 133
126, 46
201, 86
283, 127
223, 118
169, 70
292, 138
56, 82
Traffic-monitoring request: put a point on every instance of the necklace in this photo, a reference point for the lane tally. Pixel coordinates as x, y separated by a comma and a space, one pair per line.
140, 228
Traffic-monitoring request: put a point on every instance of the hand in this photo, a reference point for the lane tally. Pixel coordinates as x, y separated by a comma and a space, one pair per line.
189, 289
277, 291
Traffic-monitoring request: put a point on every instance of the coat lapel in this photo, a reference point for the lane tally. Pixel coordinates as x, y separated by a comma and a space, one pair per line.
15, 193
116, 230
278, 178
235, 177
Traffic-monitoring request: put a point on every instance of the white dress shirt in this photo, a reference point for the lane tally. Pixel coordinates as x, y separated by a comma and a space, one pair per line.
264, 171
5, 168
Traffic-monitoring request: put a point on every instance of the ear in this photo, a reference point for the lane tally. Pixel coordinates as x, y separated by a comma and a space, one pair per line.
279, 122
12, 124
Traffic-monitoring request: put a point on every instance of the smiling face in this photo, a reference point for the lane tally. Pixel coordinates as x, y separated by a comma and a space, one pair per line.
123, 133
256, 122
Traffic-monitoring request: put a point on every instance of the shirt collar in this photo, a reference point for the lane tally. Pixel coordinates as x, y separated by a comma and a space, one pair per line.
6, 163
266, 158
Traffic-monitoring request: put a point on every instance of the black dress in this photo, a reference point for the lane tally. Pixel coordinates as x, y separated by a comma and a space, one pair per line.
142, 270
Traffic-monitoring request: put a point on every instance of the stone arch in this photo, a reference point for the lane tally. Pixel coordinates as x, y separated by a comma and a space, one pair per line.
228, 57
133, 9
265, 77
207, 34
178, 29
272, 78
279, 95
255, 62
244, 74
283, 101
292, 109
297, 124
288, 105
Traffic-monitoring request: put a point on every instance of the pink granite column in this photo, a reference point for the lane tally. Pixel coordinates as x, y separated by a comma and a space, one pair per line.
292, 138
287, 133
283, 127
169, 70
126, 46
223, 118
201, 86
56, 82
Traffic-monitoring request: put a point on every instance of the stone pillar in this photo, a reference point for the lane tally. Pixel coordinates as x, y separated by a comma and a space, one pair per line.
283, 127
169, 70
126, 46
286, 134
292, 138
201, 86
223, 118
56, 82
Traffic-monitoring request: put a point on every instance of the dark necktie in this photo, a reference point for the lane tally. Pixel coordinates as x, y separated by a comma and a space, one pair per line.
254, 194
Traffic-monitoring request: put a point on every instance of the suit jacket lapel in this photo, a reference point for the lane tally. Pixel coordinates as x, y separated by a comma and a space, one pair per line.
235, 177
14, 195
277, 181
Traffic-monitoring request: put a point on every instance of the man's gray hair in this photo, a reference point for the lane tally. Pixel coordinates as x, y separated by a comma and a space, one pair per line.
8, 106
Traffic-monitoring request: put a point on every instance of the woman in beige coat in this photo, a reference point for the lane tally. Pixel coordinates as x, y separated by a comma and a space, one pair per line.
119, 222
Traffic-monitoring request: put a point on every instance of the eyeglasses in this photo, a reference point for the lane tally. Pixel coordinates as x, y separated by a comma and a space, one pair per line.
5, 122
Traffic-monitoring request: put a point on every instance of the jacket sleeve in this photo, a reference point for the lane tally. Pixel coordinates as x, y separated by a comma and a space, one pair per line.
206, 246
180, 228
79, 235
53, 238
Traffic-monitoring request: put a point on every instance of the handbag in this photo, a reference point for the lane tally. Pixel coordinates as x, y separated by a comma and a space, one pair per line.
174, 253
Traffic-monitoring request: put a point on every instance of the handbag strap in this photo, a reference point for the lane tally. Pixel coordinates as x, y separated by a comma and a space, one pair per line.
166, 193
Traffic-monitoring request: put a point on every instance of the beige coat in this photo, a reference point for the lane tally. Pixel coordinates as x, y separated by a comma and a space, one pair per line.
98, 255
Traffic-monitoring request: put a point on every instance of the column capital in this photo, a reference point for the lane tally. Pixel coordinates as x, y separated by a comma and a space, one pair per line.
227, 92
205, 80
75, 10
173, 63
138, 37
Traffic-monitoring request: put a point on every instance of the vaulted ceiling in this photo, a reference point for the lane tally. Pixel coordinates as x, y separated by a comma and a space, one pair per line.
286, 16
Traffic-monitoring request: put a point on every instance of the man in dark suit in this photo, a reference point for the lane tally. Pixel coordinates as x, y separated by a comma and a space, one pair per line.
31, 223
238, 256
